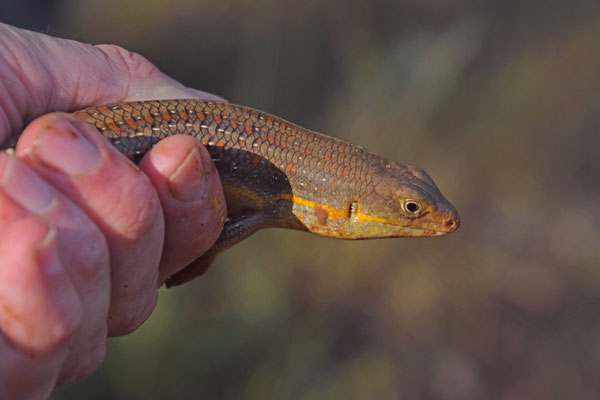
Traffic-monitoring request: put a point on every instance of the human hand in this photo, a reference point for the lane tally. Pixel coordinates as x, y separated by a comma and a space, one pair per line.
86, 237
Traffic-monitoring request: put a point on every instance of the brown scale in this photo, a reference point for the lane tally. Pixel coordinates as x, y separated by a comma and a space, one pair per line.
277, 174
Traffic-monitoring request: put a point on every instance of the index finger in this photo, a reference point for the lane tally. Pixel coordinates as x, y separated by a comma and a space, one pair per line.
76, 76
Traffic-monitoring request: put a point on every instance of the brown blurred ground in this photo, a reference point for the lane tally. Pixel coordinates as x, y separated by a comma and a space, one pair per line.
498, 100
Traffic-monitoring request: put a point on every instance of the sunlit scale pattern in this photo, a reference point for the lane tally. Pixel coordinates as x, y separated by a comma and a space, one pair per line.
277, 174
254, 152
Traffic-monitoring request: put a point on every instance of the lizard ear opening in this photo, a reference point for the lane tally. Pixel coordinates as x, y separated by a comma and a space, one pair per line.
352, 209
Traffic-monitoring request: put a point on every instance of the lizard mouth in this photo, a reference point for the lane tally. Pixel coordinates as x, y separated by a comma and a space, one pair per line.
447, 225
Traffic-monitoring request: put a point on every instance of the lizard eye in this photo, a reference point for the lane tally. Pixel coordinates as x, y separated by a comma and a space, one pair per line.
411, 207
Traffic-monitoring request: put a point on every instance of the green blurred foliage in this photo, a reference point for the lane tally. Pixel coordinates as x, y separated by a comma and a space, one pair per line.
497, 100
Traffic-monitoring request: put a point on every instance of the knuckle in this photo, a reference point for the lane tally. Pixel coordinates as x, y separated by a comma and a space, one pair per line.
137, 65
39, 340
60, 333
83, 365
125, 320
93, 359
94, 251
139, 209
86, 246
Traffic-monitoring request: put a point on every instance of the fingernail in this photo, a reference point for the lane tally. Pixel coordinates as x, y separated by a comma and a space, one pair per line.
64, 297
23, 186
44, 246
188, 182
60, 145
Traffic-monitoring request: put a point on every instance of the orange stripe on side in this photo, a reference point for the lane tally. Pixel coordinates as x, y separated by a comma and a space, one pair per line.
333, 212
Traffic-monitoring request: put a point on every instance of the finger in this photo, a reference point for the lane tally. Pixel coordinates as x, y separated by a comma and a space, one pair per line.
120, 199
51, 309
204, 95
25, 376
76, 76
136, 78
191, 195
82, 251
39, 308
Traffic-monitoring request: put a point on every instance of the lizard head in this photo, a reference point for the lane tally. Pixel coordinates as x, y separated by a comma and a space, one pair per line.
404, 202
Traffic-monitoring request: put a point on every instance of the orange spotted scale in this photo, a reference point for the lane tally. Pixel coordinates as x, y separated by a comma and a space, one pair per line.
276, 174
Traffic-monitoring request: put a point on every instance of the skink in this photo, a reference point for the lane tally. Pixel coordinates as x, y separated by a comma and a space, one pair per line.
277, 174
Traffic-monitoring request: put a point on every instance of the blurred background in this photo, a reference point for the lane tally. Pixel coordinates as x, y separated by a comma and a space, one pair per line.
498, 100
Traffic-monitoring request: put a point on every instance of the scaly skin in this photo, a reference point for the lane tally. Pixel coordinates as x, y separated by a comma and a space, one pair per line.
277, 174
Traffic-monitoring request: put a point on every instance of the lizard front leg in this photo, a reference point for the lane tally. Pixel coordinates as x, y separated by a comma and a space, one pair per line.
234, 231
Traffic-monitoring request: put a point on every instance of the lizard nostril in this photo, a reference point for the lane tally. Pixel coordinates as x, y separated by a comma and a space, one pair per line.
451, 224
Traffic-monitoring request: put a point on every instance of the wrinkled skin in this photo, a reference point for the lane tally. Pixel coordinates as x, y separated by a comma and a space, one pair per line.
86, 237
